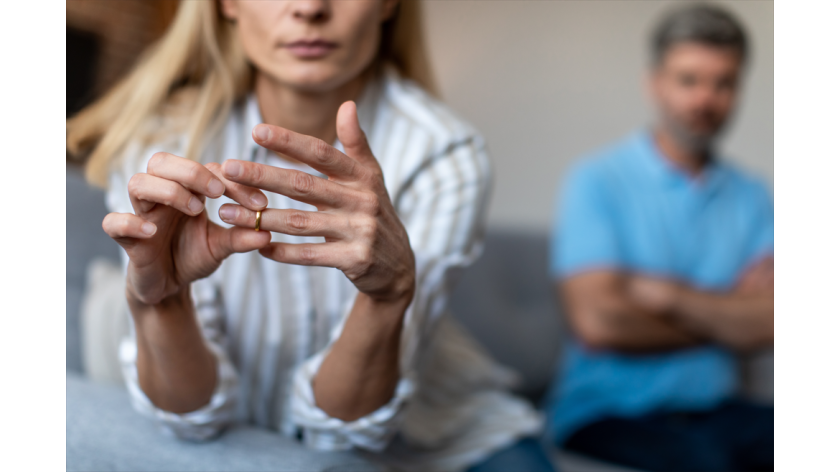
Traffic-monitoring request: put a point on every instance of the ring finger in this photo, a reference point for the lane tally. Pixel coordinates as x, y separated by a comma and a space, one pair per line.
293, 222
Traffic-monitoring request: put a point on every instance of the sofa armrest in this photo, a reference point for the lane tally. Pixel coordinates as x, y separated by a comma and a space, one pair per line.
105, 433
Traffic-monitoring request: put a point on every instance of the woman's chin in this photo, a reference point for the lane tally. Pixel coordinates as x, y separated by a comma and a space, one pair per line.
313, 77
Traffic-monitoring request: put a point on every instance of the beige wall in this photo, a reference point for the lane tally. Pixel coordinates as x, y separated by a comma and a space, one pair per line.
545, 81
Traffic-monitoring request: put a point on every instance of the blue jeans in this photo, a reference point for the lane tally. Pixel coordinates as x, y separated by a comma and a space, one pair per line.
736, 436
527, 455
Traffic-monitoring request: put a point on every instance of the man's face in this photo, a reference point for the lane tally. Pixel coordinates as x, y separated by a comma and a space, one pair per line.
694, 88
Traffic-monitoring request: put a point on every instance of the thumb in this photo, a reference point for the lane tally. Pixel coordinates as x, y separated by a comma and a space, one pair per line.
223, 242
351, 135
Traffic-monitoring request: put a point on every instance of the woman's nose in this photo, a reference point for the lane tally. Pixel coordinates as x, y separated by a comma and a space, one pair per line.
311, 10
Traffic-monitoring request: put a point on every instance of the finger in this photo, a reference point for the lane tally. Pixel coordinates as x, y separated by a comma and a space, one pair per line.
312, 151
320, 254
294, 184
294, 222
126, 225
148, 188
225, 241
190, 174
351, 135
246, 196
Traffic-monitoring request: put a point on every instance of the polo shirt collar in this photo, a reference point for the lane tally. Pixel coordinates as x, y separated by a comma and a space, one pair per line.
655, 165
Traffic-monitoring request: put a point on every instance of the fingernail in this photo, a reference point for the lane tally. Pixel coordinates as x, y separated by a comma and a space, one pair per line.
227, 213
195, 205
259, 200
233, 168
148, 228
215, 187
262, 133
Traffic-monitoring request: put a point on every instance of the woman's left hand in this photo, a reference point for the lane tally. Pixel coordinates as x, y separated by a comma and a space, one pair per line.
364, 237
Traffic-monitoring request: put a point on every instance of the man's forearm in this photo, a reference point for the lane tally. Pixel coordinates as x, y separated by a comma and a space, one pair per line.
362, 369
175, 368
741, 321
605, 316
632, 328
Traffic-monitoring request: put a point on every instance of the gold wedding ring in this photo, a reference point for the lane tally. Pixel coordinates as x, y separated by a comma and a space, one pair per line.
259, 218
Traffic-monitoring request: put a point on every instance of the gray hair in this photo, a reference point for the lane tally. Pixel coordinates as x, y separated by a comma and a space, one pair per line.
702, 23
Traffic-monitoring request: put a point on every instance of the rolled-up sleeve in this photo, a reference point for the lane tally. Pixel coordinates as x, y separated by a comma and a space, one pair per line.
208, 421
200, 425
443, 210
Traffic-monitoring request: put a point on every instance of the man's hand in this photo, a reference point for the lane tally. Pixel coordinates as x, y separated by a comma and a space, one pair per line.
657, 294
741, 318
758, 278
605, 315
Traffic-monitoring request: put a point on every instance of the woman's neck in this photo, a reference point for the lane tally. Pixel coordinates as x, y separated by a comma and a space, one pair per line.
308, 113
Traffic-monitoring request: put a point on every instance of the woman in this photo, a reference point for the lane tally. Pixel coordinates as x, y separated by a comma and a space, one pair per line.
233, 324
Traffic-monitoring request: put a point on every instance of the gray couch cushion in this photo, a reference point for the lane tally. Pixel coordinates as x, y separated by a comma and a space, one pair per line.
85, 240
507, 301
105, 433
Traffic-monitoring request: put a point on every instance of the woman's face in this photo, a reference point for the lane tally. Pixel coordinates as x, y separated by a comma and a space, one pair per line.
312, 45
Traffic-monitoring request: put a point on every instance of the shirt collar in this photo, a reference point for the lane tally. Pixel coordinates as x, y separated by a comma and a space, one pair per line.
657, 166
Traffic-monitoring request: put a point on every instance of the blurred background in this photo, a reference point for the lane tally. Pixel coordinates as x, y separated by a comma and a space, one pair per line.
544, 81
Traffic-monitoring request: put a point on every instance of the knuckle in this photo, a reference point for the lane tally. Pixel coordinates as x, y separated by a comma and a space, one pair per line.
375, 176
123, 226
280, 137
297, 220
170, 194
256, 173
370, 203
277, 252
362, 263
303, 183
307, 255
156, 160
135, 183
213, 167
367, 227
193, 171
364, 255
107, 223
321, 151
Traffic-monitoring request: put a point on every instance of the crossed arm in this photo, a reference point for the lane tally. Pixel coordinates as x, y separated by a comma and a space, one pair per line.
610, 309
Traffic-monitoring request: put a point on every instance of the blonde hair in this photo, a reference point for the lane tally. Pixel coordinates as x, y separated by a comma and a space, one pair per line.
195, 73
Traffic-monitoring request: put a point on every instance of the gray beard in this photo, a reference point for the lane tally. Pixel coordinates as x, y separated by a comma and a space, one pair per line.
691, 142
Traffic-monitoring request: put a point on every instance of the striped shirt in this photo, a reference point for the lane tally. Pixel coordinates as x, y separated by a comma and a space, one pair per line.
271, 325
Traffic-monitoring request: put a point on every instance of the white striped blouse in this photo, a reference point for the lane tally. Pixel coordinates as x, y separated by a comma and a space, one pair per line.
271, 324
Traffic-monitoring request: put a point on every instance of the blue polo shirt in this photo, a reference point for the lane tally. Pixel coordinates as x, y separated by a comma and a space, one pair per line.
628, 208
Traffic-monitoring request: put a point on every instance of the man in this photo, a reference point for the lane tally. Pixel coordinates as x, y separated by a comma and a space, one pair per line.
664, 259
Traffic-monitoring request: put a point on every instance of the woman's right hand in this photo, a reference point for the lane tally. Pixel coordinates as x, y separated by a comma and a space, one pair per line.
169, 240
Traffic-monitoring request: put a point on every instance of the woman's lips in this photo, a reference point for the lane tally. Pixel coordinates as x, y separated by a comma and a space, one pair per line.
310, 49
